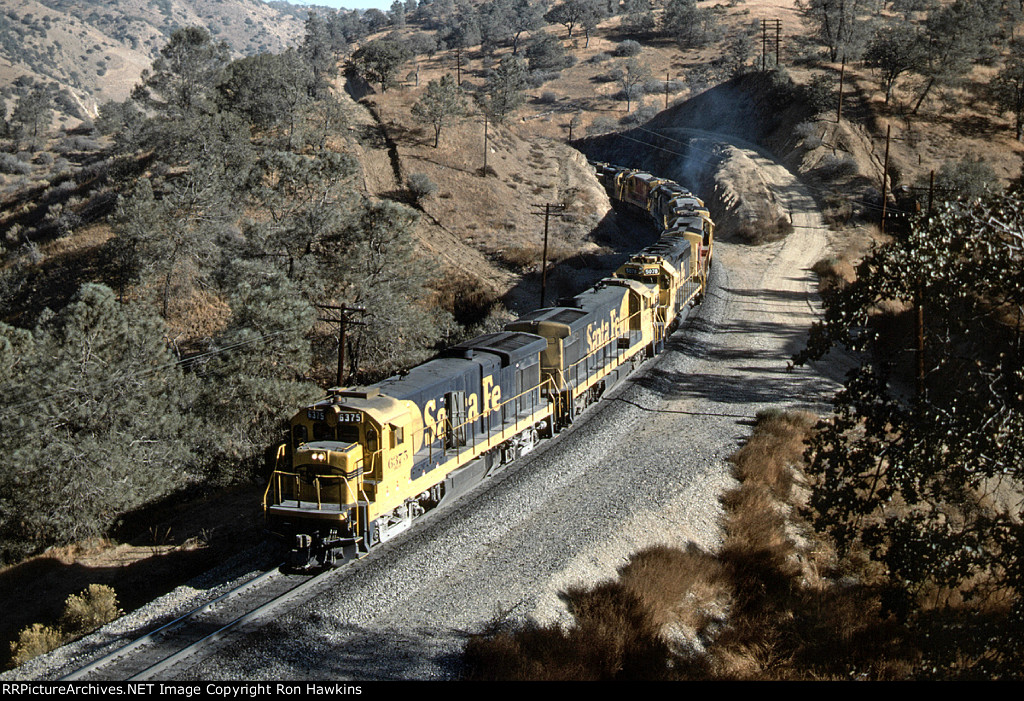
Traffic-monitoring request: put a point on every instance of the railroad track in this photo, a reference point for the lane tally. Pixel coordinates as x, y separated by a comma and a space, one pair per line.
160, 650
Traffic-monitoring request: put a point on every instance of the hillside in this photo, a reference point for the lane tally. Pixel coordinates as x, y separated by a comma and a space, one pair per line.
97, 50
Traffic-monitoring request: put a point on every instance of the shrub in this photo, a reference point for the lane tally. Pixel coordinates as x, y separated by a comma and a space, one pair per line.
838, 209
639, 115
835, 166
85, 612
820, 93
33, 641
969, 178
765, 226
421, 186
628, 48
805, 129
12, 165
538, 78
602, 125
78, 142
654, 86
833, 273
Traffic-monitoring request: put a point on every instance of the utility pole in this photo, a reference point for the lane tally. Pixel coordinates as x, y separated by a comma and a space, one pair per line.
764, 43
885, 172
343, 320
777, 23
778, 41
842, 73
575, 121
544, 260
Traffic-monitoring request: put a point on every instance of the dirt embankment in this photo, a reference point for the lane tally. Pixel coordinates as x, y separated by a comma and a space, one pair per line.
482, 225
690, 140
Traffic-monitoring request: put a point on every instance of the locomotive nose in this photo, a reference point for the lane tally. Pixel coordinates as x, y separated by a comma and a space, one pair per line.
330, 464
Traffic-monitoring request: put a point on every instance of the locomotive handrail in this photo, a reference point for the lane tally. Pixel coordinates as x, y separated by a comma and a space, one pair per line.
546, 384
610, 363
279, 495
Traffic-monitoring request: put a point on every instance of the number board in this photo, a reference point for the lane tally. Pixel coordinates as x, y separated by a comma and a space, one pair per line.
349, 417
315, 414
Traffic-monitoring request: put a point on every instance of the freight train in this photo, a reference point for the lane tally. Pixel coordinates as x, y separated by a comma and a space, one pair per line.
359, 466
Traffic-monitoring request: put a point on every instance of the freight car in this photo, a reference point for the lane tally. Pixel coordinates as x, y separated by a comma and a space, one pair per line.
359, 466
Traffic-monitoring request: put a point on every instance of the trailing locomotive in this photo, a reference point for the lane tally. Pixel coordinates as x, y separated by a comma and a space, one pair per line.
359, 466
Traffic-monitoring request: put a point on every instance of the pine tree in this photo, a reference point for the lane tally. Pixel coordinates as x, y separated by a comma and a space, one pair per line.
94, 421
442, 105
505, 89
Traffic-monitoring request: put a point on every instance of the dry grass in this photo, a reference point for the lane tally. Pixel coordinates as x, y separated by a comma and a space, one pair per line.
772, 604
834, 273
529, 255
674, 604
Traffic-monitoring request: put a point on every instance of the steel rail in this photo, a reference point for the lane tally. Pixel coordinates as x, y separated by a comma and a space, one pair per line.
194, 647
168, 627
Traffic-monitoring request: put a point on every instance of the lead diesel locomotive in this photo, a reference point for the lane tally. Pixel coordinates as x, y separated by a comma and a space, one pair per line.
360, 465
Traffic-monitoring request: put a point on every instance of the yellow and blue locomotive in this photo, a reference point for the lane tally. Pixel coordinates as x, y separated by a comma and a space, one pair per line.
359, 466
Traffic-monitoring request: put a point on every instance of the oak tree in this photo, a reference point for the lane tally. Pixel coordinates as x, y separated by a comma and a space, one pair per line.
910, 476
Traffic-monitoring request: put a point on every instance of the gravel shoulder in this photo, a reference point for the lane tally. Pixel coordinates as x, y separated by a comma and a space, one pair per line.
644, 467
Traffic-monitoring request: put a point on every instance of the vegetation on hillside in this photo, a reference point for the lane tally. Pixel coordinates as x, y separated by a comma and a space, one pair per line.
892, 549
233, 215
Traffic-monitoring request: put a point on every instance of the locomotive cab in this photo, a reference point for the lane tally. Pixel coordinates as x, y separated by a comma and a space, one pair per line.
346, 460
312, 498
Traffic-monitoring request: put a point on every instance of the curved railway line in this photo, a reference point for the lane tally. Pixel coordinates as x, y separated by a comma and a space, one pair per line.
157, 652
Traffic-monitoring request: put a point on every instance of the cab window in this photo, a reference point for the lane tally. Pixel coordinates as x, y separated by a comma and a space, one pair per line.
397, 435
348, 433
322, 432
